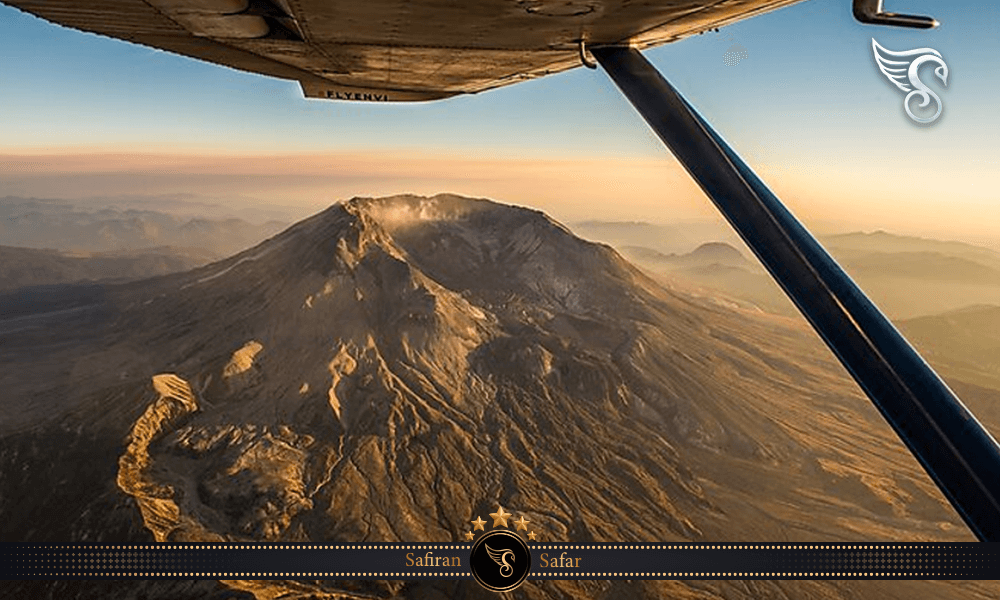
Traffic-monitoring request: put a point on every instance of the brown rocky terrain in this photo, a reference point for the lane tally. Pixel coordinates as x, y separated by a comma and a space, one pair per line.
389, 368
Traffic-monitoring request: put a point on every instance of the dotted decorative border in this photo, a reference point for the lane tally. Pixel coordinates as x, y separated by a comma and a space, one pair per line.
890, 560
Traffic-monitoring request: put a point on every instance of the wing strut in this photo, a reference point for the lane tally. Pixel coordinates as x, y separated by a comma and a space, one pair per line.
955, 450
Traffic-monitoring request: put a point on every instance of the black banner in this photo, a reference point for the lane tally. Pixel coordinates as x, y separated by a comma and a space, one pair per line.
548, 561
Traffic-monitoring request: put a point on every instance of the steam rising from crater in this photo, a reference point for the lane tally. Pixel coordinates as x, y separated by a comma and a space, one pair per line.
399, 212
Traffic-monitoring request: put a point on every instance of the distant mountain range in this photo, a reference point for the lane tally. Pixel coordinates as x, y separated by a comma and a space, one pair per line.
62, 225
389, 368
905, 276
674, 238
710, 253
885, 242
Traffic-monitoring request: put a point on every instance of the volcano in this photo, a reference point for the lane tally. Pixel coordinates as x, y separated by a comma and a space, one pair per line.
389, 368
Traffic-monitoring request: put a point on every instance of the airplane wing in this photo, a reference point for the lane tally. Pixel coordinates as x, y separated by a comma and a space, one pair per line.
394, 50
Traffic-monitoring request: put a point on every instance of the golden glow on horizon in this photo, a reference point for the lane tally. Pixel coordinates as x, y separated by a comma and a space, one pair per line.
900, 198
567, 187
908, 198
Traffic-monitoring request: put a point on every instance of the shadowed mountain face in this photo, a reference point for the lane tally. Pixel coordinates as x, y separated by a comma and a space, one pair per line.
388, 369
23, 267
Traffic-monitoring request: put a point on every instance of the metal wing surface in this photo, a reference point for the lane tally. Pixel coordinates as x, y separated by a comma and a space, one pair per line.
394, 50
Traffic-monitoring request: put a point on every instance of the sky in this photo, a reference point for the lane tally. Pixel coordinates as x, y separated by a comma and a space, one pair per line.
83, 115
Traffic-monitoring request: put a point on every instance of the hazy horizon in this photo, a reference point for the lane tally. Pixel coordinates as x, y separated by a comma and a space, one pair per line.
225, 204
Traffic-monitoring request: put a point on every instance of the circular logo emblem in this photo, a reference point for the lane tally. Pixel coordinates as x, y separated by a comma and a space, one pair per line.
500, 561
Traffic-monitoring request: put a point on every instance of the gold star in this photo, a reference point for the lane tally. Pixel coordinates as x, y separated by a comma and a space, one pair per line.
469, 536
500, 517
478, 524
522, 523
531, 535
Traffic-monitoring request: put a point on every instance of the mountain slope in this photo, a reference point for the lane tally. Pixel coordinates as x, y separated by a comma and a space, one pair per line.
389, 368
967, 340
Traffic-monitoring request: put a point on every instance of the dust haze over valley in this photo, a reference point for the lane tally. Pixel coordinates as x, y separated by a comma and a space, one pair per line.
388, 368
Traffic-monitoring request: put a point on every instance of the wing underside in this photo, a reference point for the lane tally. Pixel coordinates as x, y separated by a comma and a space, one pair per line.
394, 50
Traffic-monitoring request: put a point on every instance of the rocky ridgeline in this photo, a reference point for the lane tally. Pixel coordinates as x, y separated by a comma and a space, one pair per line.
155, 500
